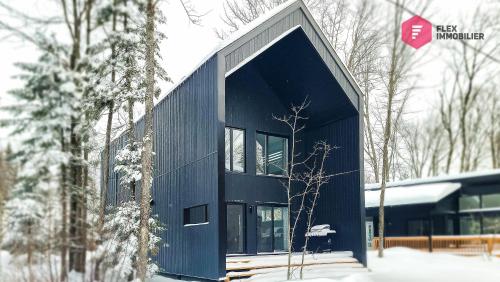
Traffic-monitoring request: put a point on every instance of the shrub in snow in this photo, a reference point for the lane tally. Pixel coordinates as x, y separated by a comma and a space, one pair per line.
118, 252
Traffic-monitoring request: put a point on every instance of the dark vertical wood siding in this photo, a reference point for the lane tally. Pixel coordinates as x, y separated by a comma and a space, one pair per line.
185, 174
340, 199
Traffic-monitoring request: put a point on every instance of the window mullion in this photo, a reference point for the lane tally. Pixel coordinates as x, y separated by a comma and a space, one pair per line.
230, 149
266, 157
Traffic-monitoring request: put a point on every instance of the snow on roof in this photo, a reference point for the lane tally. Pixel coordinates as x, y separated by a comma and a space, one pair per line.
229, 40
417, 194
436, 179
233, 37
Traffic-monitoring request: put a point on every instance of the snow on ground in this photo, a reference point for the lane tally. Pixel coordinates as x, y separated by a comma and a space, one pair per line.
402, 264
399, 264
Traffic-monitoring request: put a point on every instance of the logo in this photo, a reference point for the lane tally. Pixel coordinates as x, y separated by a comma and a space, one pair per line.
416, 32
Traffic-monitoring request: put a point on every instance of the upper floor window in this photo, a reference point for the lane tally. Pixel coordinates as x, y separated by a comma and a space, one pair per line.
469, 202
491, 200
484, 201
235, 149
272, 154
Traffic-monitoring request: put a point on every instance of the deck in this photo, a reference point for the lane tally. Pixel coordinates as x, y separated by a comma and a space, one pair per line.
242, 267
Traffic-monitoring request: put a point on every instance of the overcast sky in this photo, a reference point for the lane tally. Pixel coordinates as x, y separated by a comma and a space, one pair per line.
188, 44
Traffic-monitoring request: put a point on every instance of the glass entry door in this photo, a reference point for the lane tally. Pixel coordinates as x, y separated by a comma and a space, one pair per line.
272, 229
235, 228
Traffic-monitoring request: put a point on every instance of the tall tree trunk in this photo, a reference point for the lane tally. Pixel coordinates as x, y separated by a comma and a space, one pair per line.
387, 130
131, 138
64, 217
107, 142
105, 166
147, 154
85, 168
130, 106
77, 247
105, 154
291, 232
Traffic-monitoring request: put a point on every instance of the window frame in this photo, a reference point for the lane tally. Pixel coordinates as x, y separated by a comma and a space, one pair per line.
266, 145
231, 168
186, 215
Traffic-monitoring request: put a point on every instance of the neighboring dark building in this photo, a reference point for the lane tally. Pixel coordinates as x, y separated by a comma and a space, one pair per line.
464, 204
220, 155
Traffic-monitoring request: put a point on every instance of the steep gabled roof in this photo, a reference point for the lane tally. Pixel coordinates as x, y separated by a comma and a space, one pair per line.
254, 38
268, 29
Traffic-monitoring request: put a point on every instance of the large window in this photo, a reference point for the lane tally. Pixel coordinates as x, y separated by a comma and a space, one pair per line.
469, 202
491, 201
418, 227
196, 215
272, 229
235, 149
491, 224
470, 225
271, 154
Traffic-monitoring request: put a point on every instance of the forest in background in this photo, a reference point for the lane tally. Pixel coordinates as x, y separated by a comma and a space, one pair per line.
103, 66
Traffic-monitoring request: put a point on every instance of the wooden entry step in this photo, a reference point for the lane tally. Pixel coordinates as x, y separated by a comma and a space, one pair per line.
247, 266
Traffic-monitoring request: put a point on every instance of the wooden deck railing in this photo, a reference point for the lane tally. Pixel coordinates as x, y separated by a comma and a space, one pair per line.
461, 245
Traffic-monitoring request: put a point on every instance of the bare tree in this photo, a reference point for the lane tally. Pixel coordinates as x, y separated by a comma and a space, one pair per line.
294, 121
447, 117
472, 70
315, 179
494, 131
422, 147
238, 13
394, 74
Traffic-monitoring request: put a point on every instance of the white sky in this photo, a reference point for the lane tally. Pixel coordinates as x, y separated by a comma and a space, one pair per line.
188, 44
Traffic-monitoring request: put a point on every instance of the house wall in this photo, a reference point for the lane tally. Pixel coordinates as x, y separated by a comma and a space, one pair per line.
397, 217
250, 105
185, 174
340, 199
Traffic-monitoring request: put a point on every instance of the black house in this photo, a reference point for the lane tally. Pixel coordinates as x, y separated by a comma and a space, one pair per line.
220, 155
464, 204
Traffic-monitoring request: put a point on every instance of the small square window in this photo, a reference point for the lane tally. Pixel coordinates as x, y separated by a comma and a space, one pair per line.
196, 214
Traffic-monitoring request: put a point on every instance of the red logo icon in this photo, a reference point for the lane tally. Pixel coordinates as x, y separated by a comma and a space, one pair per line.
416, 32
